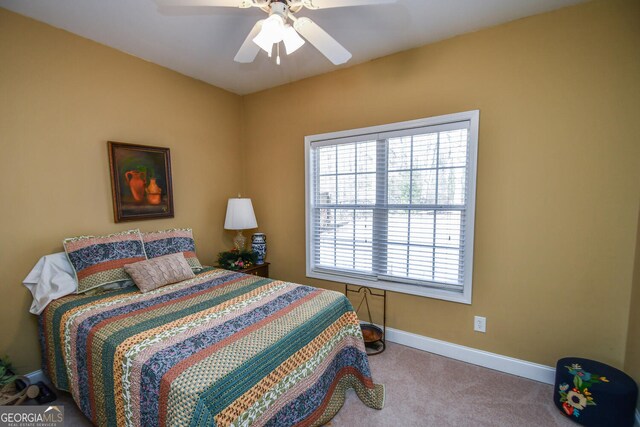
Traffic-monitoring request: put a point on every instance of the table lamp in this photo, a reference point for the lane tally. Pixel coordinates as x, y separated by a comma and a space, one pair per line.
240, 217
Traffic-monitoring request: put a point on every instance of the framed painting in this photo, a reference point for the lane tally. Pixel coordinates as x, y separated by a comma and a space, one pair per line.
140, 181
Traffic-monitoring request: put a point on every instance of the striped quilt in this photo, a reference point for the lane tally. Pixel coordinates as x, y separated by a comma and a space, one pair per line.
221, 349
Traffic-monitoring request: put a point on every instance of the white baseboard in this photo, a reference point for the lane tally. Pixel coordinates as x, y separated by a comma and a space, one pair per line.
498, 362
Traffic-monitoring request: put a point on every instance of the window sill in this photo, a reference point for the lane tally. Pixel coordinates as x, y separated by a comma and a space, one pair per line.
441, 294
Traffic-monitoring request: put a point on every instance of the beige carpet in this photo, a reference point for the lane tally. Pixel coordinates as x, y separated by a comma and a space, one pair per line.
423, 389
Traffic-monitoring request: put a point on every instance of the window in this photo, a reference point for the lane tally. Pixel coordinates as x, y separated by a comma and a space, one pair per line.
393, 206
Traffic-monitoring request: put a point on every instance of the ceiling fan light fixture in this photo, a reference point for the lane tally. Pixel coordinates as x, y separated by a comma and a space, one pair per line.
267, 32
292, 40
271, 32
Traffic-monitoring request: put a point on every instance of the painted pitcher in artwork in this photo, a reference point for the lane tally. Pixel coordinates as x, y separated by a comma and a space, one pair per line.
136, 181
154, 192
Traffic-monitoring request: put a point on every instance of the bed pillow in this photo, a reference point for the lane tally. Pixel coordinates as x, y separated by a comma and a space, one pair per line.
98, 260
157, 272
51, 278
177, 240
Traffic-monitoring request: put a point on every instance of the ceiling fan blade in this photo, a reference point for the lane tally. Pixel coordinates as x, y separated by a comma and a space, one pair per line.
218, 3
326, 44
249, 50
323, 4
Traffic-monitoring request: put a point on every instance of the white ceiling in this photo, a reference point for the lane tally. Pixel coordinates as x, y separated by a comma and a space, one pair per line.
202, 42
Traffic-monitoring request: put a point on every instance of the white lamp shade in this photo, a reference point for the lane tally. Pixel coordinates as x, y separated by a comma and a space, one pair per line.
240, 215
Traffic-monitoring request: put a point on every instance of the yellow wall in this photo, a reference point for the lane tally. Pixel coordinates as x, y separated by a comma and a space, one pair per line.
632, 358
61, 98
558, 173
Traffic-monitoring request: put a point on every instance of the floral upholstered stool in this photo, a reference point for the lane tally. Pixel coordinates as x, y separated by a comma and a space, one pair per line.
594, 394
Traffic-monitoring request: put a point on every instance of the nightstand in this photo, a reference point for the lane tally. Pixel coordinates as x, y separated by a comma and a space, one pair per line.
261, 270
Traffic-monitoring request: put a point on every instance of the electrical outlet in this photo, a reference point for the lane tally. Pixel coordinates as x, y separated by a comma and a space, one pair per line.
480, 324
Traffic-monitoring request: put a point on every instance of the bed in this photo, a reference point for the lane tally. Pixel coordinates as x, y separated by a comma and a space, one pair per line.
223, 348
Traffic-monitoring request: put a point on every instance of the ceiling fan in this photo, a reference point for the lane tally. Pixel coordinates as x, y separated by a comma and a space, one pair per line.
276, 28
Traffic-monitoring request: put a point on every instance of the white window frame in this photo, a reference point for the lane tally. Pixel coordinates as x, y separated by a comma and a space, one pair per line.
464, 296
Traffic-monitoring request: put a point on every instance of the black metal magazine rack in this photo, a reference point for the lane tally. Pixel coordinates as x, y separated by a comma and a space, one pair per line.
374, 336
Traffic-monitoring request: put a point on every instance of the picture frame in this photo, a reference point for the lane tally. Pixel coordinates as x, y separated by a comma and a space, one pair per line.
141, 182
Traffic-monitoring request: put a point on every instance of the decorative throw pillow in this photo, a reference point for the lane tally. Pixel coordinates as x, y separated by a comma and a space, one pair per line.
157, 272
159, 243
98, 260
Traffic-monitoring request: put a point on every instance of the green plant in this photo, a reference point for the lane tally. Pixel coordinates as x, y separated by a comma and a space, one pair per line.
138, 164
237, 260
6, 371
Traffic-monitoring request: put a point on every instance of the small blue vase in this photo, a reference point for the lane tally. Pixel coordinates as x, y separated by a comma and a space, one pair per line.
259, 246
